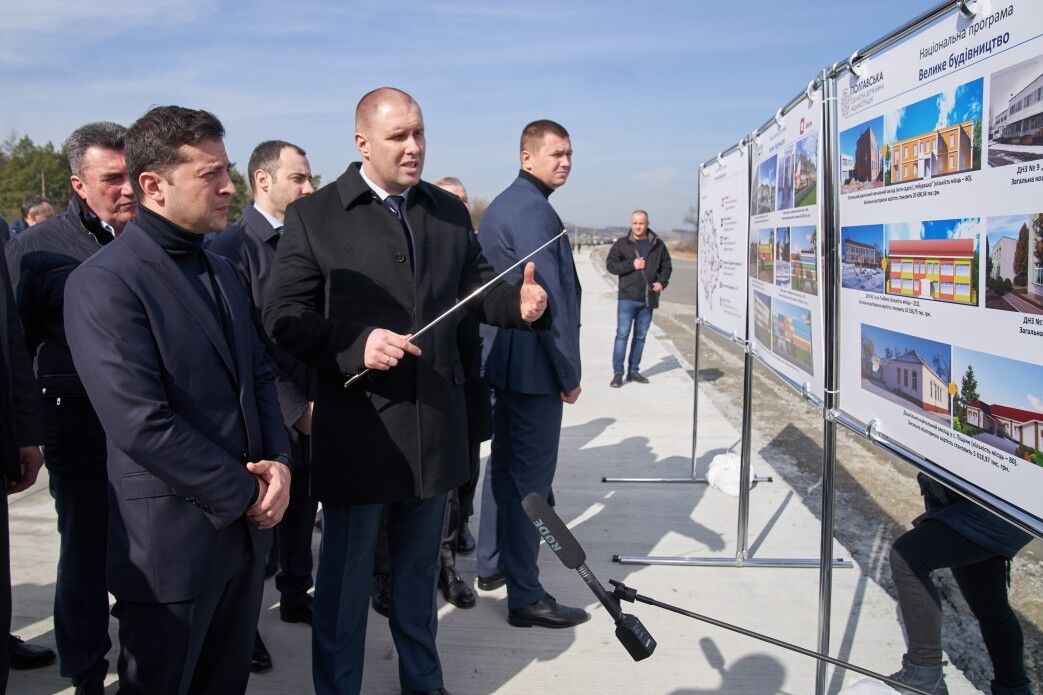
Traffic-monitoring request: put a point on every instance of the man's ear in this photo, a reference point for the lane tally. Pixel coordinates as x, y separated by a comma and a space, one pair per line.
526, 159
362, 143
151, 185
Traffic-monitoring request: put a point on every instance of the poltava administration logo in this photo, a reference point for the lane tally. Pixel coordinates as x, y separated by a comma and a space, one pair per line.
845, 102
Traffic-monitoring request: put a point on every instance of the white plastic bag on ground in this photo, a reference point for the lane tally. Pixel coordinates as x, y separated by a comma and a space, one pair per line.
868, 686
724, 474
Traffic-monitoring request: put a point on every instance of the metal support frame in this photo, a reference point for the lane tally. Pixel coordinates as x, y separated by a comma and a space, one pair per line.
830, 323
742, 556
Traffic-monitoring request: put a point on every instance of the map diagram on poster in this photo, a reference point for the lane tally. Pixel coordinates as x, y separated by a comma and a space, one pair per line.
724, 194
785, 256
941, 245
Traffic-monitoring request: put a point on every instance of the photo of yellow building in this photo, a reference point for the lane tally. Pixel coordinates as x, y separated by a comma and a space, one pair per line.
942, 151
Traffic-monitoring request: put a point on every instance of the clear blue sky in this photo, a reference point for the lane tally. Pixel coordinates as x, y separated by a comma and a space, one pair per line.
648, 90
964, 103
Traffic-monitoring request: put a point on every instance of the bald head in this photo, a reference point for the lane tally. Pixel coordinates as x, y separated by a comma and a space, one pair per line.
371, 103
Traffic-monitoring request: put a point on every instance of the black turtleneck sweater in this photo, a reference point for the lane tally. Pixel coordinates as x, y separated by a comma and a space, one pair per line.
543, 188
186, 250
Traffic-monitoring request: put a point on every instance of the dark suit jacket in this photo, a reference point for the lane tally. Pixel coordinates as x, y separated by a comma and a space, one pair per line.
20, 414
183, 411
517, 221
342, 270
249, 245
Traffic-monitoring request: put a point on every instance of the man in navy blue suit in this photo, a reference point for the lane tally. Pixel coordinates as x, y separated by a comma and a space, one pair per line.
163, 336
532, 373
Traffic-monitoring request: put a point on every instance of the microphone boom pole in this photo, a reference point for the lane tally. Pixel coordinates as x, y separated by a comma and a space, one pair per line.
466, 299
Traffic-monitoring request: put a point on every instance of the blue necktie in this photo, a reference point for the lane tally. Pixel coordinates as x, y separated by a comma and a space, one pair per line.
395, 202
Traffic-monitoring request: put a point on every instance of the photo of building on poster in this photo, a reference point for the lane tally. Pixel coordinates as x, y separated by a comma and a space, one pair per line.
805, 171
784, 188
803, 259
762, 254
1016, 113
762, 318
1014, 263
935, 260
999, 402
862, 257
861, 167
909, 371
765, 187
931, 138
782, 256
937, 136
791, 334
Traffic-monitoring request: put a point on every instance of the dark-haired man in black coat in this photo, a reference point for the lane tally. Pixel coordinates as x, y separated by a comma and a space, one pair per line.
363, 264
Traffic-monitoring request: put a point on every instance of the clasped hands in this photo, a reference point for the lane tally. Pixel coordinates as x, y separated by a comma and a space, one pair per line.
273, 479
385, 349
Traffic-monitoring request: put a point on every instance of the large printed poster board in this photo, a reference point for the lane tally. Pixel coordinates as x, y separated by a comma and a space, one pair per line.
724, 215
785, 258
941, 215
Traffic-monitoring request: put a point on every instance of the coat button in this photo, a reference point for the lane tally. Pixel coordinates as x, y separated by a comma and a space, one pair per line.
400, 258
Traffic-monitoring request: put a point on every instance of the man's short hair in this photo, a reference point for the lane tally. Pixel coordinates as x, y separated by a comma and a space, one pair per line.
154, 141
449, 181
101, 134
639, 211
266, 156
33, 203
533, 134
371, 101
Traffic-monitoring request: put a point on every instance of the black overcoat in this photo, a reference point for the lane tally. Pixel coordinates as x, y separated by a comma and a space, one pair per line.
342, 270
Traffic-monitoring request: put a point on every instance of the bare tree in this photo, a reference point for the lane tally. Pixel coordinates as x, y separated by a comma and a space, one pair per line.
478, 206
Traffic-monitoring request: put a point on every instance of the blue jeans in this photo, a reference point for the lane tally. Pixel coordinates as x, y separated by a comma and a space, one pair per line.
630, 312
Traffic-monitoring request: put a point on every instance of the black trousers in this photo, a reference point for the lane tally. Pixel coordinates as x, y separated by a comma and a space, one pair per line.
982, 577
293, 534
5, 584
197, 647
459, 509
74, 449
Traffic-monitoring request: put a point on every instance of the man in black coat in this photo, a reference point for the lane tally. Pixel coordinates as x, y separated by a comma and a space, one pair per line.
279, 174
642, 262
20, 438
162, 334
364, 263
40, 260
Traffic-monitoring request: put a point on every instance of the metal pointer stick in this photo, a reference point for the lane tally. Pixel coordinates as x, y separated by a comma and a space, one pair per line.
466, 299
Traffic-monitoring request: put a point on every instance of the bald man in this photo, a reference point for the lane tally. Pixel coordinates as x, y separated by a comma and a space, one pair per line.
363, 264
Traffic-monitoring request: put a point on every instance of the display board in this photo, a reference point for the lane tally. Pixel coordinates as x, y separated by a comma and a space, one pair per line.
724, 195
785, 257
941, 216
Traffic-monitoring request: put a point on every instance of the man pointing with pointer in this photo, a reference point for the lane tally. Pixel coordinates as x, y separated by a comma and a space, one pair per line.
363, 264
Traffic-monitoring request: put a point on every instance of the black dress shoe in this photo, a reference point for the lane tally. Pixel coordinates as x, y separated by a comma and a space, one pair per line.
295, 614
465, 544
380, 593
636, 376
440, 691
25, 656
547, 613
454, 589
617, 381
493, 582
261, 660
91, 686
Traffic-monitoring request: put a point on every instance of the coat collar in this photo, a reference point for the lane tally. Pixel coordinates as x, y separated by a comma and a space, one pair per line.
160, 263
352, 188
257, 225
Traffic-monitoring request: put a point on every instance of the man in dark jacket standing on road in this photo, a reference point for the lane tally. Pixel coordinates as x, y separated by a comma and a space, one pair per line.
40, 260
641, 261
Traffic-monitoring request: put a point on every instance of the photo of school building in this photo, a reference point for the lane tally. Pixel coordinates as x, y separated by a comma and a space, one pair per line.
937, 269
791, 335
858, 253
762, 319
907, 370
1024, 427
940, 152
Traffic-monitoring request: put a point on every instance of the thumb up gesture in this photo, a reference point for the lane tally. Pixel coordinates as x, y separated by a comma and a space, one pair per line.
533, 297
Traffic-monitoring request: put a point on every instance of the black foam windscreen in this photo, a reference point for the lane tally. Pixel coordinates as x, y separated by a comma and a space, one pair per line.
554, 532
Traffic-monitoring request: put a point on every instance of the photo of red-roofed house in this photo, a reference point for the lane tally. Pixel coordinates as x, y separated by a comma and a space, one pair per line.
1024, 427
939, 269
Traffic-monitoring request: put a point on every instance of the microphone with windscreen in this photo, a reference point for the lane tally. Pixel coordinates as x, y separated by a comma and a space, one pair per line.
629, 630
